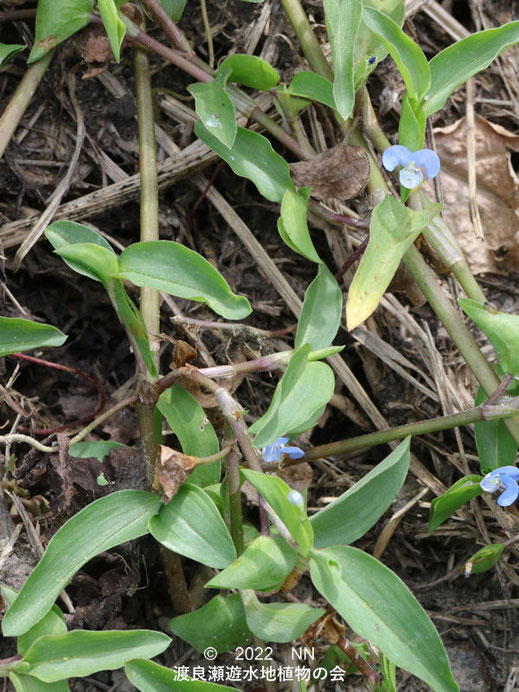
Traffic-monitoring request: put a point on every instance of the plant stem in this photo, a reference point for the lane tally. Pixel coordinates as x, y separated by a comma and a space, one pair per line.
21, 98
175, 36
473, 415
308, 40
232, 468
367, 671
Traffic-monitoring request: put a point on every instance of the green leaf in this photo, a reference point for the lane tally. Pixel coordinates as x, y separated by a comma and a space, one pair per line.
220, 624
311, 85
114, 26
359, 508
411, 126
148, 676
321, 313
408, 56
292, 225
457, 495
342, 22
214, 107
458, 62
252, 157
379, 607
81, 652
263, 566
94, 260
195, 433
96, 450
278, 622
23, 335
304, 389
56, 20
502, 330
174, 8
62, 234
496, 447
175, 269
26, 683
190, 524
393, 229
484, 559
8, 51
131, 317
52, 623
275, 492
105, 523
250, 71
368, 45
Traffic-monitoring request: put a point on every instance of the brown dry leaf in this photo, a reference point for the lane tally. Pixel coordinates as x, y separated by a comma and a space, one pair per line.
327, 627
341, 172
298, 477
497, 193
172, 470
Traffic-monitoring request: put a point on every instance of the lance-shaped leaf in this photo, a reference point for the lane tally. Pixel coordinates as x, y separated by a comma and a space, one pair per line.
194, 430
9, 50
250, 71
61, 234
310, 85
379, 607
190, 524
114, 26
96, 449
131, 317
342, 22
456, 496
359, 508
214, 107
175, 269
275, 491
321, 313
302, 391
26, 683
502, 330
263, 566
292, 225
94, 260
17, 334
392, 230
252, 157
408, 56
411, 126
81, 652
105, 523
56, 20
454, 65
220, 623
148, 676
278, 622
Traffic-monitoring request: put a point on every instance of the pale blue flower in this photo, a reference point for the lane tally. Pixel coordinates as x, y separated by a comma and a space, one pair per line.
274, 451
416, 165
295, 498
505, 479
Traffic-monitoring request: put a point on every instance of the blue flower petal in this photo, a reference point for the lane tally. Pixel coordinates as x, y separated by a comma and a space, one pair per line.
511, 493
272, 453
294, 452
281, 441
511, 471
394, 156
410, 177
490, 483
428, 159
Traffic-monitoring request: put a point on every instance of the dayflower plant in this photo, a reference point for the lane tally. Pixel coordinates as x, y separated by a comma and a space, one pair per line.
505, 479
274, 451
417, 166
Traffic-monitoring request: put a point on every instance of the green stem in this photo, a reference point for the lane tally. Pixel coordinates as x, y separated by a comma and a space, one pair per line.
232, 468
451, 320
308, 40
20, 100
473, 415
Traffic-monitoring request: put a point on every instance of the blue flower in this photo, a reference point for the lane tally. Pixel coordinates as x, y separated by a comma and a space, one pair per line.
274, 451
505, 479
417, 165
